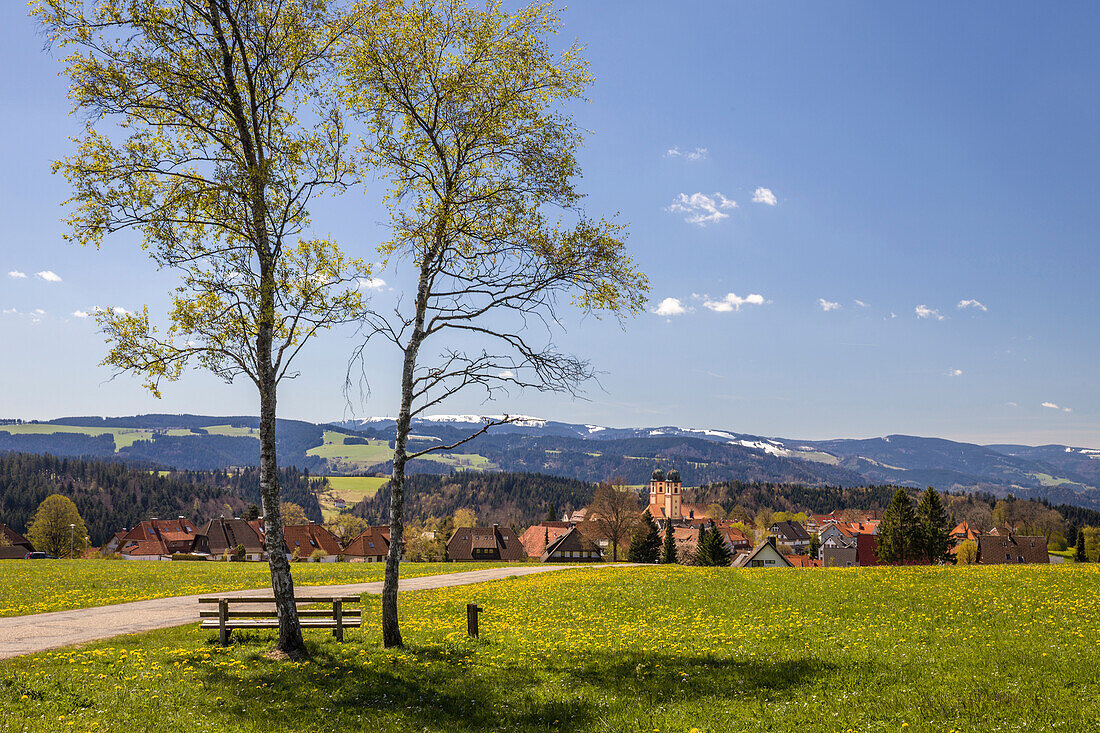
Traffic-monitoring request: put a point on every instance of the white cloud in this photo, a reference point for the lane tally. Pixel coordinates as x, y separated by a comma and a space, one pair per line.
671, 307
1012, 404
860, 303
764, 196
372, 283
691, 155
924, 311
507, 374
17, 274
971, 304
954, 372
10, 311
1067, 409
39, 312
732, 302
49, 276
80, 314
702, 209
828, 305
1051, 405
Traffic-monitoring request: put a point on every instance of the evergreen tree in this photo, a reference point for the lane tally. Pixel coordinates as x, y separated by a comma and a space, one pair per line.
645, 545
815, 544
934, 535
668, 550
1079, 555
897, 534
712, 550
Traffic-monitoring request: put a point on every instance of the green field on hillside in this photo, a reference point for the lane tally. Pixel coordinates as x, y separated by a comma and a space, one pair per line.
41, 586
345, 458
124, 437
667, 648
352, 489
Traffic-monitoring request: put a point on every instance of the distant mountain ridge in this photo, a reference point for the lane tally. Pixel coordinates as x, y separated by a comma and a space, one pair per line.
1060, 474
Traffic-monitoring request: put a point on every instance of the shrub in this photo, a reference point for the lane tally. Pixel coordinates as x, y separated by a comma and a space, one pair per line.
188, 556
317, 555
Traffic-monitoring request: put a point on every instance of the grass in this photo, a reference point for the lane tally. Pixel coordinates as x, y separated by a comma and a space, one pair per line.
352, 489
1008, 648
40, 586
124, 437
346, 458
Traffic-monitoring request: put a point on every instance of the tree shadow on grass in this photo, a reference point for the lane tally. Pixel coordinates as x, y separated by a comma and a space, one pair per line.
469, 686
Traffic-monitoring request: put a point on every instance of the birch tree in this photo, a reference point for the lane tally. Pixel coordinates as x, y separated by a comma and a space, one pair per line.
210, 125
463, 108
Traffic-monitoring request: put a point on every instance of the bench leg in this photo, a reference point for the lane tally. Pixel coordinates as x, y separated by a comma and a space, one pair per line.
223, 617
338, 612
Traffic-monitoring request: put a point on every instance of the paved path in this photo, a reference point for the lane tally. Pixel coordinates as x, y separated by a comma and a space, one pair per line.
39, 632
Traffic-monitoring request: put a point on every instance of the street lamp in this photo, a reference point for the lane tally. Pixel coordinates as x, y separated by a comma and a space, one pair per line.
72, 539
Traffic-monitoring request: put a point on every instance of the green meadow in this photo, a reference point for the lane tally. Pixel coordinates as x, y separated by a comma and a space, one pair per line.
343, 457
664, 648
40, 586
351, 489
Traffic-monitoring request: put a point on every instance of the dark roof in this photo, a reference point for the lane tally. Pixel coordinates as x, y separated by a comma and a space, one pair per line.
673, 476
791, 531
226, 534
658, 475
1001, 549
15, 552
491, 543
744, 560
16, 539
572, 541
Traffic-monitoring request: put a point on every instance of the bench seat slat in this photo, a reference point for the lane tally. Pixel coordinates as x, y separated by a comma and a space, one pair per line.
269, 599
263, 623
302, 613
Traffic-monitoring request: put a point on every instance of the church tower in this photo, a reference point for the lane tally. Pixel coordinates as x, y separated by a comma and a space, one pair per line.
664, 492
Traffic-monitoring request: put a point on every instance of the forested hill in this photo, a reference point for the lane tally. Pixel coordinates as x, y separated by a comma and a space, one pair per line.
518, 499
110, 495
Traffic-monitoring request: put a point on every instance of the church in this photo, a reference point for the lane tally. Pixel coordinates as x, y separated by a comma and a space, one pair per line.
665, 499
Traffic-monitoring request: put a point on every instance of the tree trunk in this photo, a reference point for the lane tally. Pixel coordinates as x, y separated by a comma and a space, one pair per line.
282, 584
391, 631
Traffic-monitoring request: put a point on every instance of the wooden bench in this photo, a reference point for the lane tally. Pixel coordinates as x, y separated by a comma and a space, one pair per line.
226, 619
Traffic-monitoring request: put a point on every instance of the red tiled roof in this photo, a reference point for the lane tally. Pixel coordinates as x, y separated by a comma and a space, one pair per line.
307, 538
534, 537
371, 542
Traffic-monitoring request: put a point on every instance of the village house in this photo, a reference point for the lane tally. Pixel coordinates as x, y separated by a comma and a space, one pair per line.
536, 537
963, 532
153, 539
1010, 549
571, 546
791, 534
764, 555
223, 536
302, 540
837, 554
734, 539
370, 545
19, 546
485, 544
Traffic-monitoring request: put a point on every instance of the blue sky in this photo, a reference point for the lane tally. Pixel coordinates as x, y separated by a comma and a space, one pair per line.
858, 219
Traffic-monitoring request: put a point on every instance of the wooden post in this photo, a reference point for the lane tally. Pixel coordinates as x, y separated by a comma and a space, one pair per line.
338, 612
471, 619
223, 619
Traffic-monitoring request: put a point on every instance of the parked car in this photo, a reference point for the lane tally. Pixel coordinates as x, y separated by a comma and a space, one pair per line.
39, 556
